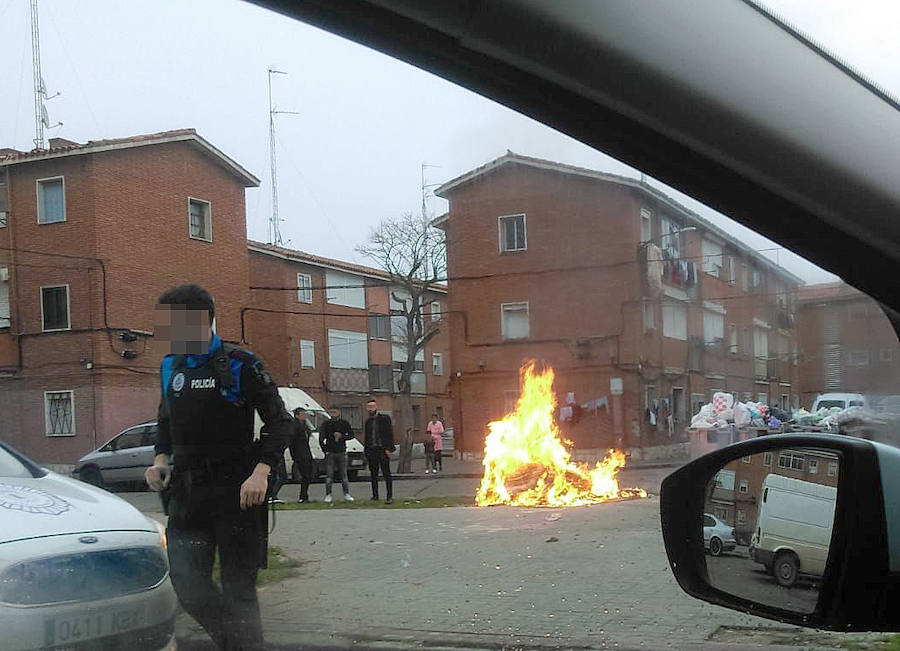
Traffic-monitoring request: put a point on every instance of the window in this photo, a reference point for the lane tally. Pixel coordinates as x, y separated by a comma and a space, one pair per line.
199, 220
708, 521
435, 310
304, 288
744, 486
646, 225
886, 354
790, 461
347, 349
418, 365
353, 415
832, 469
745, 277
380, 326
3, 206
756, 278
51, 200
4, 297
649, 316
813, 466
55, 307
437, 364
859, 358
732, 276
132, 438
674, 316
746, 459
512, 233
380, 377
59, 413
785, 402
741, 516
767, 459
345, 289
732, 339
713, 327
670, 237
712, 258
307, 353
514, 320
721, 513
763, 398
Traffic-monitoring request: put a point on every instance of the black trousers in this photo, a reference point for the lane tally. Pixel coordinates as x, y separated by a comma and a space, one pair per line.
379, 460
279, 477
303, 460
203, 519
439, 459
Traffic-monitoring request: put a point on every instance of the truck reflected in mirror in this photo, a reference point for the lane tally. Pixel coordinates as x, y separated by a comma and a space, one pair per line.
767, 526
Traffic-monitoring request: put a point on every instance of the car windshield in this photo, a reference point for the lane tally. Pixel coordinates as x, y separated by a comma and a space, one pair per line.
11, 467
523, 332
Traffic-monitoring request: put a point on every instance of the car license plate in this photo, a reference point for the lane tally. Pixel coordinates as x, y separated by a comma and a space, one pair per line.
68, 630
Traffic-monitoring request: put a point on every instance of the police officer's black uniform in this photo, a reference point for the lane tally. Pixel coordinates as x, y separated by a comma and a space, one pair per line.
206, 423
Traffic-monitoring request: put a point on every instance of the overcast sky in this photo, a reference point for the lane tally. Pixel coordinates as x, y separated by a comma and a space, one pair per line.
366, 122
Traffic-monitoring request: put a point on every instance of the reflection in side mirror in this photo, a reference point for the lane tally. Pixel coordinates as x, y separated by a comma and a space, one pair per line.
767, 526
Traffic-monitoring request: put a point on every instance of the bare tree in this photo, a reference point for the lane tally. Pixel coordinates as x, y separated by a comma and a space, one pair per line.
412, 252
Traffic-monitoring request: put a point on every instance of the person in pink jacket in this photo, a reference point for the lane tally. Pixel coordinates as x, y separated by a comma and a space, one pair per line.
436, 429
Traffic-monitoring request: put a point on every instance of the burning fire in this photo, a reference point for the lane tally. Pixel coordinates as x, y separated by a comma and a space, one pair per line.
527, 463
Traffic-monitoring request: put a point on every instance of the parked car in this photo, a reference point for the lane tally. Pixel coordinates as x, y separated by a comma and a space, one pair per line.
79, 568
717, 536
122, 460
793, 533
842, 400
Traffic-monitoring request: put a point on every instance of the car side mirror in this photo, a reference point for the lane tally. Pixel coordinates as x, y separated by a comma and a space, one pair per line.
803, 529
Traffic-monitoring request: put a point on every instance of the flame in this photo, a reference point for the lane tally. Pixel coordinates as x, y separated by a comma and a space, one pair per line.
527, 462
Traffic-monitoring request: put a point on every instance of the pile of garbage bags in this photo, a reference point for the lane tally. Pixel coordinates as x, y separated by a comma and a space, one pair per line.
724, 411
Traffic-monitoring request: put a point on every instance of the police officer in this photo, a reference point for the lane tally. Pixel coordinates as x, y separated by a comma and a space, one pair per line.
216, 492
300, 452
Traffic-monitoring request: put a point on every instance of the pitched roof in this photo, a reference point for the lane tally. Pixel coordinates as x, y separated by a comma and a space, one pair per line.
512, 158
828, 291
60, 147
314, 260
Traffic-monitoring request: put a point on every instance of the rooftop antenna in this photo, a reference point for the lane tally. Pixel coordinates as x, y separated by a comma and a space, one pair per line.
274, 221
41, 117
425, 188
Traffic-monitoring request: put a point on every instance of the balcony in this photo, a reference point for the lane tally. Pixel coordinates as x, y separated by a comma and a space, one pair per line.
761, 368
348, 379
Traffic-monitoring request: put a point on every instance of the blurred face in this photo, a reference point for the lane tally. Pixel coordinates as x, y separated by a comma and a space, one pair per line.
300, 414
187, 331
372, 407
334, 412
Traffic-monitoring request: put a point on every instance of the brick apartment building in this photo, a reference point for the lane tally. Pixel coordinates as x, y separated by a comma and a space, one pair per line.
642, 307
737, 489
332, 335
90, 235
848, 344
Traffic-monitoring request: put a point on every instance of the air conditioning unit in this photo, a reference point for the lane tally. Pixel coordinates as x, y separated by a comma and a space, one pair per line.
4, 275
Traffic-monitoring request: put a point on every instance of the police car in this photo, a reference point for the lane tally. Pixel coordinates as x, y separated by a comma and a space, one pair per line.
79, 568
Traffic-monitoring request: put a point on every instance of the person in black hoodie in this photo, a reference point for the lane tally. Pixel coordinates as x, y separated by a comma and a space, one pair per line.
333, 435
378, 444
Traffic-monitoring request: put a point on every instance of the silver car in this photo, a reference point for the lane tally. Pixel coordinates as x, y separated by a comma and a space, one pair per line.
122, 460
717, 536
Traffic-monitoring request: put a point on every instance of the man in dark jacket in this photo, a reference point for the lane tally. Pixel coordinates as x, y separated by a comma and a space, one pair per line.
300, 453
378, 444
333, 435
216, 492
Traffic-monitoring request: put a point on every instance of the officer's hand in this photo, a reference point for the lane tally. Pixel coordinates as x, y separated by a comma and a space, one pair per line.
157, 477
253, 490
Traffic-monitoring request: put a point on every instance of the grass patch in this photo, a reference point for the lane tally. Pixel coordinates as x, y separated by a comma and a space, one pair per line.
399, 503
279, 567
887, 643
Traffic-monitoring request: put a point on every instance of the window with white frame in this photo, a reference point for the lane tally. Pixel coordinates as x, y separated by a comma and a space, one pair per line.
348, 349
763, 398
55, 308
674, 318
713, 327
756, 278
199, 220
307, 353
767, 459
670, 237
832, 469
437, 364
345, 289
304, 288
435, 310
646, 225
732, 339
51, 200
813, 466
732, 272
712, 258
649, 316
859, 357
380, 326
790, 461
514, 321
746, 459
4, 297
741, 516
744, 486
512, 233
59, 413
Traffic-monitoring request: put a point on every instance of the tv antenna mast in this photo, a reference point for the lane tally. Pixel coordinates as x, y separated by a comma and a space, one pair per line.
425, 189
41, 117
274, 220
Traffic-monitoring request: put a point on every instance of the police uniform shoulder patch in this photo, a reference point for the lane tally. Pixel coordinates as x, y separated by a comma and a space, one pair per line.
178, 382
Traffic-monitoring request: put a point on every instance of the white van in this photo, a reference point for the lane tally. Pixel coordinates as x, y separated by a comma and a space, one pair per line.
293, 398
842, 400
793, 528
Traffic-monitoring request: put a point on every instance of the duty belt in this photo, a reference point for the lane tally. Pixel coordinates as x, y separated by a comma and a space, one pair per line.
197, 472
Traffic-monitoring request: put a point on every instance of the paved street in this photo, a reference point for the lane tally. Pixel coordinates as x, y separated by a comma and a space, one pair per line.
737, 574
